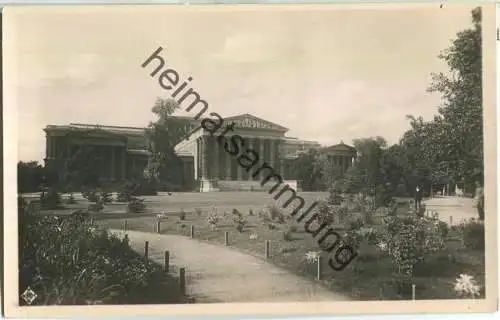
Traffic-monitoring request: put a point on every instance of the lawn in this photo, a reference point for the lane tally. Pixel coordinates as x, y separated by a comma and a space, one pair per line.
368, 277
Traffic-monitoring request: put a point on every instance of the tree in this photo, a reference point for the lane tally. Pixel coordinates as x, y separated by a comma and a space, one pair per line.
308, 170
369, 173
461, 116
30, 176
163, 134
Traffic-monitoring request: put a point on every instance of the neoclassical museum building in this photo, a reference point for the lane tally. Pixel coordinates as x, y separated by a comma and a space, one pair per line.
206, 165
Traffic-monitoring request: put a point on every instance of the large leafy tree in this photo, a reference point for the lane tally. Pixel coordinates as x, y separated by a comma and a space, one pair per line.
29, 176
163, 134
460, 119
308, 170
372, 169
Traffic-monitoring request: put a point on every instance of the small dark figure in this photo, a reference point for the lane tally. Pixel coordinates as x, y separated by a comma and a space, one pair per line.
169, 193
418, 198
479, 199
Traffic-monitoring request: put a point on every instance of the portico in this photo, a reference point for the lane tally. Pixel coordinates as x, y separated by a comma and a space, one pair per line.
216, 157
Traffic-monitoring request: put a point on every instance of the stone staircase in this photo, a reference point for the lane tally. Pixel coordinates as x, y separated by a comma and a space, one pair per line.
231, 185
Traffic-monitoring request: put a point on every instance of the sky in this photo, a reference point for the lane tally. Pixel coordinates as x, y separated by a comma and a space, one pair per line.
326, 74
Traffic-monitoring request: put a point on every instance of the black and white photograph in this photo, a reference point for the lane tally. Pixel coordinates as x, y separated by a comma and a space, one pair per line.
249, 158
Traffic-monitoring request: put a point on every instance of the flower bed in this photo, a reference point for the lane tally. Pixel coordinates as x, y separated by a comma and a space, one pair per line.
66, 261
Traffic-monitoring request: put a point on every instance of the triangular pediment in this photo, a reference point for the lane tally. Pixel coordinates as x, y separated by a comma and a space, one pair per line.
341, 147
248, 121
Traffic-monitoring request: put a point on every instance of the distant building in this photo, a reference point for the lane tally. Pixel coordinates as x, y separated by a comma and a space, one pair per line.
123, 151
341, 155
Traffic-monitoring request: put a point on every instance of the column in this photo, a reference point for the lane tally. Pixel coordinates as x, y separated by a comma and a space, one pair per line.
133, 166
204, 157
239, 169
124, 163
272, 152
216, 162
227, 163
198, 160
281, 159
251, 144
261, 156
47, 146
113, 163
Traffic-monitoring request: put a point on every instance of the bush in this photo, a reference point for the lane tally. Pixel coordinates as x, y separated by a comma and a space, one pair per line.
238, 220
472, 234
137, 188
410, 239
96, 207
443, 227
182, 215
91, 195
71, 199
275, 214
198, 212
123, 196
287, 235
324, 213
51, 199
136, 205
66, 262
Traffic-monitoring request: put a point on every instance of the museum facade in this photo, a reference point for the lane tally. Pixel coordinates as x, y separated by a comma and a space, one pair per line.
206, 165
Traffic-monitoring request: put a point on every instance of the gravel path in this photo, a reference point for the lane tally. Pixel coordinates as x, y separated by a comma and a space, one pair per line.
458, 208
219, 274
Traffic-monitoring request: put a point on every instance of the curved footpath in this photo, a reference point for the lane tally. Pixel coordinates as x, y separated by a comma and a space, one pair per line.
219, 274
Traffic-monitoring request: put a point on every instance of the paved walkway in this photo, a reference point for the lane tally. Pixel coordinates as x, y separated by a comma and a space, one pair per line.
220, 274
457, 207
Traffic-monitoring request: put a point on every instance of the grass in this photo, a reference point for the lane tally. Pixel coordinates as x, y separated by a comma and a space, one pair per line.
368, 277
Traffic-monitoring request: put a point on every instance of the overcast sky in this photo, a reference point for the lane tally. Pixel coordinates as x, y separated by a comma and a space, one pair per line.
325, 74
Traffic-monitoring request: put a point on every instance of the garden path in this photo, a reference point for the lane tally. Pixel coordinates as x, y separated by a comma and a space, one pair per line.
460, 208
222, 274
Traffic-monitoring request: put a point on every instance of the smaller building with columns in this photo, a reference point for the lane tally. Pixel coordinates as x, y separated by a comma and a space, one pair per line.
340, 155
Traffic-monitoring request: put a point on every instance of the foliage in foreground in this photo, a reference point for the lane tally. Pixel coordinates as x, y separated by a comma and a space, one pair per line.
65, 261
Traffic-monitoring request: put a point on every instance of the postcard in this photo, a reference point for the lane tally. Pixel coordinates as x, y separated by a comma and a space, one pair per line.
249, 160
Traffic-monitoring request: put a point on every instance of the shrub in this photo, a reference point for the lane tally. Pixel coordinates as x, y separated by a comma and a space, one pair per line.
105, 197
409, 240
123, 196
271, 226
91, 195
96, 207
138, 188
443, 228
472, 233
182, 215
275, 214
239, 221
66, 262
198, 212
71, 199
287, 235
51, 199
324, 213
213, 219
136, 205
250, 212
